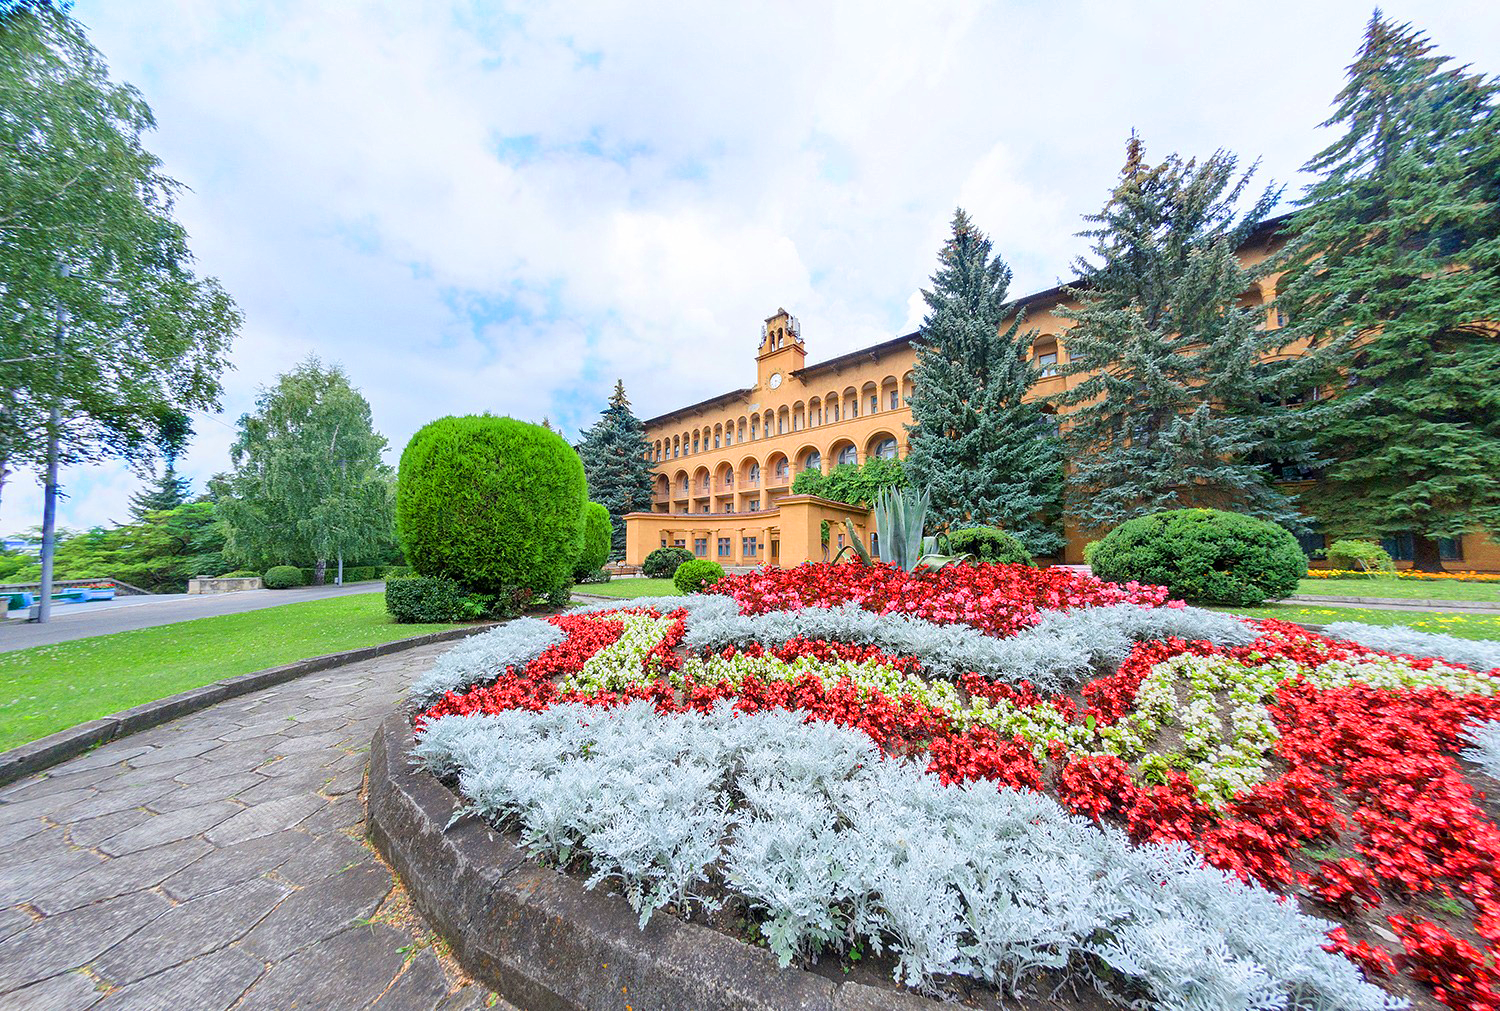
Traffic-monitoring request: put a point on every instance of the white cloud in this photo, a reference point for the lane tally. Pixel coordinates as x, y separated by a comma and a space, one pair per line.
480, 208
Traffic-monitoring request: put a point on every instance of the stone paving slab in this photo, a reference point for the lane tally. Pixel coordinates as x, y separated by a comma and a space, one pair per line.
218, 862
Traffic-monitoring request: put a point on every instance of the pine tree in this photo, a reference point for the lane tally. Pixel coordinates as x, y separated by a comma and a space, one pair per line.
1175, 403
1403, 228
165, 492
987, 456
615, 461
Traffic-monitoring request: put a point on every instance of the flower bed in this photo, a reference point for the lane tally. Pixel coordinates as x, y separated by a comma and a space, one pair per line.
1461, 577
1289, 762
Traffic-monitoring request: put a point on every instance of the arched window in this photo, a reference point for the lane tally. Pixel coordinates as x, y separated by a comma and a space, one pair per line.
885, 449
813, 460
848, 455
754, 473
781, 468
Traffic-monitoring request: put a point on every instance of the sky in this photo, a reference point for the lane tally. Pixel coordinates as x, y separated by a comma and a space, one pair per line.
476, 206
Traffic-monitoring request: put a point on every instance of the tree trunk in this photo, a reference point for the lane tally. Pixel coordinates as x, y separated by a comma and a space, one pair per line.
318, 571
1424, 555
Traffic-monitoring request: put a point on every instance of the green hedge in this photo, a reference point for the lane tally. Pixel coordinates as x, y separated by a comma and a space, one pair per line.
663, 562
431, 600
1360, 556
697, 574
283, 577
594, 547
492, 503
1204, 556
990, 545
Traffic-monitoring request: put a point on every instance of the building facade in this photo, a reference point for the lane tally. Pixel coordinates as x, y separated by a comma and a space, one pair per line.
724, 466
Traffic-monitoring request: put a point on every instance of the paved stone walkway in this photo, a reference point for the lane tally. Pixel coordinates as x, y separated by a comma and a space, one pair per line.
218, 862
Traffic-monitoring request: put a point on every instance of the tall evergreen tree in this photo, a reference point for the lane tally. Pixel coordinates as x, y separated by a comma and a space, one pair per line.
163, 493
987, 456
615, 461
1175, 403
309, 484
1403, 225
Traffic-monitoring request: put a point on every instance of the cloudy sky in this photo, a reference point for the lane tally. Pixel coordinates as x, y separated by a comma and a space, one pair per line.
480, 206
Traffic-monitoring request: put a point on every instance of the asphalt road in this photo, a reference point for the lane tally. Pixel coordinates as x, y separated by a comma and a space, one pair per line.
81, 621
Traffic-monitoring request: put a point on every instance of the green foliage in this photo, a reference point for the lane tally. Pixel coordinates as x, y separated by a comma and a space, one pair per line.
1204, 556
396, 572
159, 554
1177, 402
240, 574
697, 574
1400, 234
614, 453
856, 484
663, 562
596, 543
309, 484
494, 503
163, 493
597, 576
1360, 556
146, 339
1088, 551
284, 577
985, 453
988, 544
431, 600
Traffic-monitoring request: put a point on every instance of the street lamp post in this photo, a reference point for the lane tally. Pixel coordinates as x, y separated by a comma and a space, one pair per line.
49, 493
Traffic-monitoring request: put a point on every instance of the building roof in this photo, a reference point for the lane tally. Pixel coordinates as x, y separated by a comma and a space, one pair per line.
1264, 230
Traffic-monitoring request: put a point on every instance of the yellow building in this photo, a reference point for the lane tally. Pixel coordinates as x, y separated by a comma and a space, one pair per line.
724, 466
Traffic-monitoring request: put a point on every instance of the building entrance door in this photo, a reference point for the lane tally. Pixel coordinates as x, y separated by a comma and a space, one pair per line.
775, 552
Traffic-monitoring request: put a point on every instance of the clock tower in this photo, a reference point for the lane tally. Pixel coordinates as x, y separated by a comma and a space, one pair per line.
781, 351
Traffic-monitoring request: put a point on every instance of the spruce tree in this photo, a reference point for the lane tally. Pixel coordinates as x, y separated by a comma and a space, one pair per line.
987, 456
615, 461
1402, 226
163, 493
1175, 403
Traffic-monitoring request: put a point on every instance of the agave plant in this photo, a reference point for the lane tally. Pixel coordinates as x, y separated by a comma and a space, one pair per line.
900, 515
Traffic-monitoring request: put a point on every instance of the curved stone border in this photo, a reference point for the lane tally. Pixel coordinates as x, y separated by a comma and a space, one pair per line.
544, 942
65, 744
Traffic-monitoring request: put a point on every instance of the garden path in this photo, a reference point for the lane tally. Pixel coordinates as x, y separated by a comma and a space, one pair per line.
218, 861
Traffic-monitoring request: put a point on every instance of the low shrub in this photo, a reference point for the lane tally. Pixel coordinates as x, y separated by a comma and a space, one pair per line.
989, 544
1088, 552
594, 546
1360, 556
283, 577
395, 572
431, 600
662, 563
597, 576
239, 574
310, 576
697, 575
1204, 556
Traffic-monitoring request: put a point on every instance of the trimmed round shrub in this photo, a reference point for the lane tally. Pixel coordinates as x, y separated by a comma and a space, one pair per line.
696, 574
1360, 556
431, 600
593, 551
1204, 556
283, 577
990, 545
492, 503
662, 563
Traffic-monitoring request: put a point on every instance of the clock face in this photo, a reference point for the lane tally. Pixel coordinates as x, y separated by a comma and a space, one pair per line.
775, 380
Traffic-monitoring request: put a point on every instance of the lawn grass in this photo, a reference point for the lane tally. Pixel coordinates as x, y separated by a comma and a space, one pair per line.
50, 688
630, 588
1465, 626
1404, 589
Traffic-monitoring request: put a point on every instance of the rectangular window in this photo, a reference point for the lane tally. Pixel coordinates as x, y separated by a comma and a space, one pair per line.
1312, 544
841, 540
748, 546
1047, 363
700, 547
874, 403
705, 508
1402, 548
663, 542
679, 543
895, 400
723, 547
755, 505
